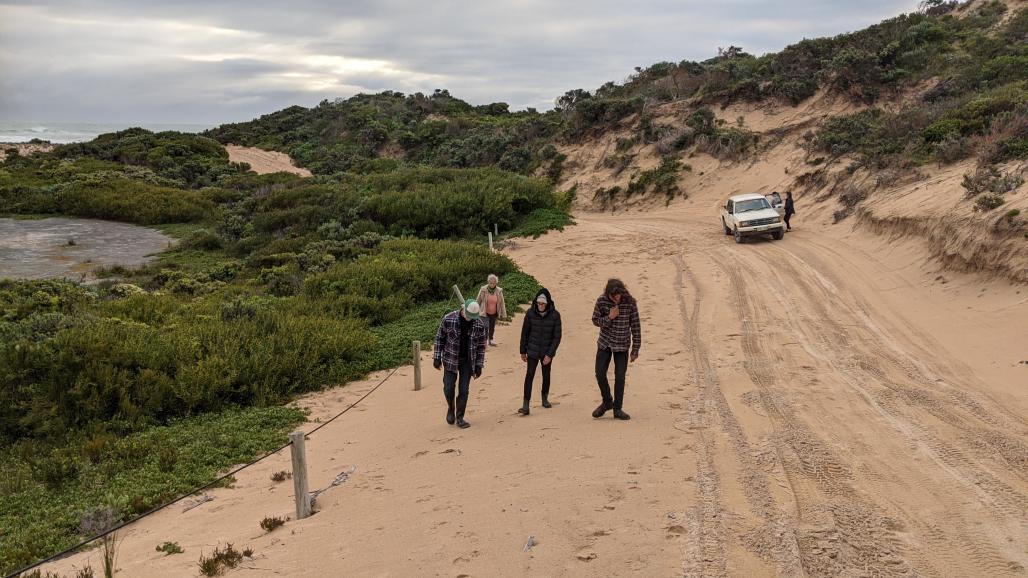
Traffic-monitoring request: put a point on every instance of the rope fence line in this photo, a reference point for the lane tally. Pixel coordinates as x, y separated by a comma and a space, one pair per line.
206, 486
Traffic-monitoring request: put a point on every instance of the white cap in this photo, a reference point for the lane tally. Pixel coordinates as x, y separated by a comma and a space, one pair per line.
541, 298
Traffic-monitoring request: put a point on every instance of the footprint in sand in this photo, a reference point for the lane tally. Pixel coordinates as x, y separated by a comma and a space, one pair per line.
467, 558
585, 555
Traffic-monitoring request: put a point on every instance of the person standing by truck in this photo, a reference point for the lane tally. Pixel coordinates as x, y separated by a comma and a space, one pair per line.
790, 209
616, 313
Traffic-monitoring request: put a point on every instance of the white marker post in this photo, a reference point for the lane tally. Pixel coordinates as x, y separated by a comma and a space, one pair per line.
490, 240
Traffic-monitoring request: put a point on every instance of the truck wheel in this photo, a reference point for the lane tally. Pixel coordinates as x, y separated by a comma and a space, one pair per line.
725, 227
737, 235
777, 235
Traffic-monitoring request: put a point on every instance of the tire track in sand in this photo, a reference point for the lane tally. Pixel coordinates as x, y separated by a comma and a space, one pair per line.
775, 541
851, 534
842, 345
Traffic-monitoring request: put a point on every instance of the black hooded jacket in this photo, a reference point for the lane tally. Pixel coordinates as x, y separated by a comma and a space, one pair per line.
540, 333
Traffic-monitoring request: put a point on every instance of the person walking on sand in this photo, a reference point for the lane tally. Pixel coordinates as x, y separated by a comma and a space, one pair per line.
490, 299
790, 210
617, 315
460, 353
540, 338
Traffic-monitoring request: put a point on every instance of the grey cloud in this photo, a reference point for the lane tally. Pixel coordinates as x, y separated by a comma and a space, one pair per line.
201, 61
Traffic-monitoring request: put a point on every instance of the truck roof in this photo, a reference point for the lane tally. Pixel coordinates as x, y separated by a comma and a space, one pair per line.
745, 197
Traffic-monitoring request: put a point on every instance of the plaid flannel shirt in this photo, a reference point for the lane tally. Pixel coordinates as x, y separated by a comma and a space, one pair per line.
447, 342
619, 334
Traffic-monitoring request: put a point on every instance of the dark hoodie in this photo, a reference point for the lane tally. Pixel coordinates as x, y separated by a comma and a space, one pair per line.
540, 333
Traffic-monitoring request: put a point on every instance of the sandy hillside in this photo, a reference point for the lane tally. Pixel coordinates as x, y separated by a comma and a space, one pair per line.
827, 405
24, 149
262, 161
928, 204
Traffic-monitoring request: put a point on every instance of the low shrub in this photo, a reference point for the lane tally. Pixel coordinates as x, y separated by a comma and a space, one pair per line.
270, 524
662, 179
39, 520
122, 200
540, 222
988, 202
990, 179
222, 559
170, 548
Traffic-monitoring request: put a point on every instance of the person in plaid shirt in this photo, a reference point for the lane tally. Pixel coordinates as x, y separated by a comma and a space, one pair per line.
460, 352
617, 315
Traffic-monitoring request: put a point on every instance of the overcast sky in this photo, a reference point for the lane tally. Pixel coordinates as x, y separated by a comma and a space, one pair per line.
213, 61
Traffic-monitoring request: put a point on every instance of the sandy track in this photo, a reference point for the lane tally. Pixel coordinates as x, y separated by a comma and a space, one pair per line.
817, 406
263, 162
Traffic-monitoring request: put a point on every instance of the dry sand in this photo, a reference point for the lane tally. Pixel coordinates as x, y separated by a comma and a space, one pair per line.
825, 405
262, 161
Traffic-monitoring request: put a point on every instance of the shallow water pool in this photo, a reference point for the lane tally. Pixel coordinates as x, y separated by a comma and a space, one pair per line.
72, 248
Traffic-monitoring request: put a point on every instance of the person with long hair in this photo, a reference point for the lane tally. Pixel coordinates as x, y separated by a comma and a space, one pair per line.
617, 315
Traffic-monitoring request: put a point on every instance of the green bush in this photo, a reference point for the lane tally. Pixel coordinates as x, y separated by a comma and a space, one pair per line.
990, 179
375, 133
540, 221
190, 160
663, 179
988, 202
124, 200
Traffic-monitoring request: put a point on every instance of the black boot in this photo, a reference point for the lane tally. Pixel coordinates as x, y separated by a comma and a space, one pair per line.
618, 414
462, 404
546, 403
604, 408
524, 408
450, 418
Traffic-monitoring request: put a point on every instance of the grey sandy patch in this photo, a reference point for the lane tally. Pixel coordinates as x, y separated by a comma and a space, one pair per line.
59, 247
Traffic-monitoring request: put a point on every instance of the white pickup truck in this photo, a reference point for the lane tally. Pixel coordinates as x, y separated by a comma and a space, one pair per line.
748, 215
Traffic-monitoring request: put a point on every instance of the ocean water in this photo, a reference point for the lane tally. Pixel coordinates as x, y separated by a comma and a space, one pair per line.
66, 132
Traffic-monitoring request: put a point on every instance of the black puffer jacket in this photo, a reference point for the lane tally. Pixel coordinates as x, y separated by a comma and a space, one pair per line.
540, 333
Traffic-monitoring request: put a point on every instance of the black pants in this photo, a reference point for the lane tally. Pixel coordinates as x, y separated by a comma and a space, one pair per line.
492, 325
603, 357
530, 377
461, 382
787, 217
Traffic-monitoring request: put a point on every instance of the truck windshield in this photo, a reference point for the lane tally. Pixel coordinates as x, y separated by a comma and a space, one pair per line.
751, 205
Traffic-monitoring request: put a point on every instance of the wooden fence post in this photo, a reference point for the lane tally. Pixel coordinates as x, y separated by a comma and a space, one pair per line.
416, 350
490, 240
459, 296
300, 487
496, 230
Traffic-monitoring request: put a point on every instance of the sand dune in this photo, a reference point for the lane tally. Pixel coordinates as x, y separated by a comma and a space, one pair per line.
817, 406
262, 161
